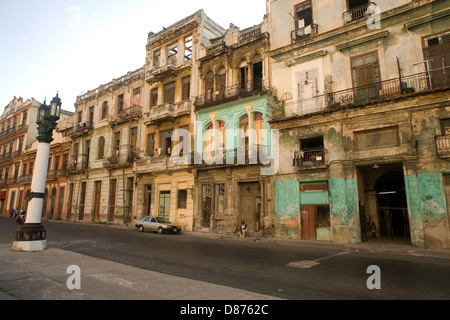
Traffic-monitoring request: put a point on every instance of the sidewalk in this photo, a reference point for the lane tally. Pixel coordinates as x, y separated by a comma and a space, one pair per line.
43, 276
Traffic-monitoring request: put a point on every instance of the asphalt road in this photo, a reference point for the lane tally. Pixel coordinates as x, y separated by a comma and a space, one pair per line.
288, 272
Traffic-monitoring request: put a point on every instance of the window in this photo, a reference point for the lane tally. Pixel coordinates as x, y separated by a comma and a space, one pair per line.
445, 126
24, 120
136, 97
120, 105
104, 110
303, 21
172, 52
380, 138
243, 74
356, 10
209, 85
169, 93
436, 51
182, 199
365, 70
91, 115
258, 124
186, 90
165, 143
188, 48
157, 59
312, 152
154, 97
366, 74
319, 186
222, 82
101, 148
150, 151
116, 143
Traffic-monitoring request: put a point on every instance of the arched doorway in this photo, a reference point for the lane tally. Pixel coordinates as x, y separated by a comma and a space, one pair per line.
382, 201
392, 207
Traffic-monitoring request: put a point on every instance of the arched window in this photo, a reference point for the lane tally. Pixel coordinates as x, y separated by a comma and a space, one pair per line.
243, 129
221, 135
101, 148
104, 110
258, 124
209, 139
221, 82
209, 86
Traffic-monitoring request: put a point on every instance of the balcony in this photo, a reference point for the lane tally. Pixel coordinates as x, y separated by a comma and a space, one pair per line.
383, 91
12, 180
250, 88
231, 157
443, 146
167, 111
8, 131
304, 33
54, 174
124, 157
357, 13
131, 113
25, 178
79, 164
309, 159
80, 129
170, 70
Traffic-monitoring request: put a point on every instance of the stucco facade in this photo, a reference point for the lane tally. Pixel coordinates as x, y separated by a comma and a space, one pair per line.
362, 111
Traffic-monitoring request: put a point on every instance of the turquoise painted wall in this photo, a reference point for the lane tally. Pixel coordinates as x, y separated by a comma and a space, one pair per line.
287, 199
426, 204
231, 113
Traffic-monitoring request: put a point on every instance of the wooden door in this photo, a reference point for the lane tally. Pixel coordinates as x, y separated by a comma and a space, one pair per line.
164, 205
206, 205
112, 199
250, 198
308, 216
97, 195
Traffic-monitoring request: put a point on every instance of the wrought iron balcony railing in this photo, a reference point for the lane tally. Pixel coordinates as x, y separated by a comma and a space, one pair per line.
443, 146
80, 129
231, 93
357, 13
304, 33
309, 158
133, 112
383, 91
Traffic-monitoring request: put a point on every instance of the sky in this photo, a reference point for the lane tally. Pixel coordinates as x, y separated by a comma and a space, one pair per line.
72, 46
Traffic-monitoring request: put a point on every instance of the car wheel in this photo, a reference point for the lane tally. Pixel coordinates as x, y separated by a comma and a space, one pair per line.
160, 230
141, 229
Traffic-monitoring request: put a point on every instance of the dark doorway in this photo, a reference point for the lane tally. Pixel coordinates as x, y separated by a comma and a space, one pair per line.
392, 207
382, 201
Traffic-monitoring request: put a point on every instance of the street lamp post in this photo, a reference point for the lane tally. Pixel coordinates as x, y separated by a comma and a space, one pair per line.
32, 235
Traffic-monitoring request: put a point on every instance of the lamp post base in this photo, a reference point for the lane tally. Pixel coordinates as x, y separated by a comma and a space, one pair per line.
30, 237
40, 245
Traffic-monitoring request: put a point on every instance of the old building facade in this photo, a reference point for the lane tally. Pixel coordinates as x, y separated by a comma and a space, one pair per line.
105, 143
19, 146
232, 133
165, 186
363, 115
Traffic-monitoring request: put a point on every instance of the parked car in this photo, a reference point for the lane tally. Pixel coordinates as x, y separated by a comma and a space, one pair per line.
156, 224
